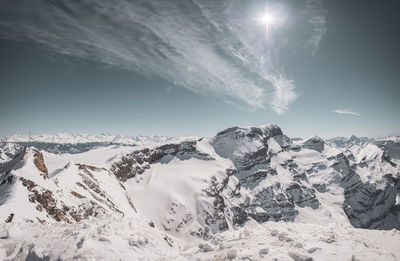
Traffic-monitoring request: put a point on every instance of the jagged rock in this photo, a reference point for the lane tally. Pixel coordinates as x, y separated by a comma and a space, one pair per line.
303, 196
314, 143
45, 200
367, 205
84, 197
138, 161
76, 194
217, 220
39, 163
251, 150
388, 159
10, 218
247, 147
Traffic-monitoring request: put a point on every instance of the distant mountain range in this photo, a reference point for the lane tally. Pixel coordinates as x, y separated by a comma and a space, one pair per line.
66, 138
71, 143
354, 140
391, 144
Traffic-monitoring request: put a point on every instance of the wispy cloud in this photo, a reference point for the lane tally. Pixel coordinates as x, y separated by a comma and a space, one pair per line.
284, 94
208, 47
347, 112
318, 21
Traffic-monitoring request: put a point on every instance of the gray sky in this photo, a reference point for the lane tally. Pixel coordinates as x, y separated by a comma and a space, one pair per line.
195, 67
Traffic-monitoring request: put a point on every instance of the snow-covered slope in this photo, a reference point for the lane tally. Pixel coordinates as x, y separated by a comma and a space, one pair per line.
225, 197
73, 193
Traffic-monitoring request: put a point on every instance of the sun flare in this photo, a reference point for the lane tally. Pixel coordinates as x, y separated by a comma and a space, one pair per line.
267, 19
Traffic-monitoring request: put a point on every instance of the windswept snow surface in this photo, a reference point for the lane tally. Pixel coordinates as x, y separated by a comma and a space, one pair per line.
110, 238
101, 238
294, 241
249, 193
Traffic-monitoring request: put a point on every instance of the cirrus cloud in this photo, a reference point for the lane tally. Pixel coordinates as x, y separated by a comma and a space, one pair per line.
208, 47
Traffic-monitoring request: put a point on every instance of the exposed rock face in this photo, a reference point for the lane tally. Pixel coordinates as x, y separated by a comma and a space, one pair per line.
39, 163
254, 153
92, 185
242, 193
217, 220
10, 218
45, 200
81, 191
303, 196
138, 161
314, 143
370, 205
390, 147
386, 158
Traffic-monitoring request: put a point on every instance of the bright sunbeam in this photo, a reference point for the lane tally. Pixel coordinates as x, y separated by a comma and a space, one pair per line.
267, 18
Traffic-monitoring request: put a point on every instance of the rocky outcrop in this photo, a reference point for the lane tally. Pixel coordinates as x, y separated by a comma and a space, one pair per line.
390, 147
252, 150
39, 163
367, 204
90, 191
386, 158
217, 219
138, 161
270, 204
303, 196
314, 143
44, 200
241, 194
10, 218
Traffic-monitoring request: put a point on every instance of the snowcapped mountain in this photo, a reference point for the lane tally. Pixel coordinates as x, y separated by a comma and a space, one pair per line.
246, 193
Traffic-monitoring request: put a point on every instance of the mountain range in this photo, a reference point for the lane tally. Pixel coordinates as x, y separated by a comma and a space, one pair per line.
247, 193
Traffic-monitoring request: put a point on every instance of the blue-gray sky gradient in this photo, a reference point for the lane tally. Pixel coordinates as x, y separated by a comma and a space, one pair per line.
331, 69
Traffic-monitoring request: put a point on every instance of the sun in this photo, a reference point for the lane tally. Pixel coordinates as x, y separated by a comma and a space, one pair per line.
267, 18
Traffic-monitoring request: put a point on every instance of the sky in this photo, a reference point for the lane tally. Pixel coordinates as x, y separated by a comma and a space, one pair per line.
193, 67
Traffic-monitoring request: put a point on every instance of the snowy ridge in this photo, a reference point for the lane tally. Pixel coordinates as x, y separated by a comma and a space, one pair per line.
205, 198
74, 193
